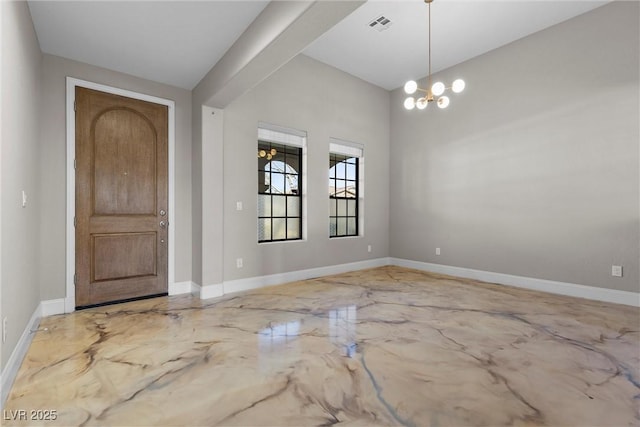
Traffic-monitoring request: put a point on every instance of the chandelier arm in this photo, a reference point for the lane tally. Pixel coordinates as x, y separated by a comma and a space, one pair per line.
428, 95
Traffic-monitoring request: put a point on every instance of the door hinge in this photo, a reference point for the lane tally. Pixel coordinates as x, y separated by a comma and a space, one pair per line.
74, 163
75, 279
74, 221
74, 106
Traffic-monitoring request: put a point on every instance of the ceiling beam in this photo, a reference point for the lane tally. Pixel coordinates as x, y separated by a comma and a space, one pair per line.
279, 33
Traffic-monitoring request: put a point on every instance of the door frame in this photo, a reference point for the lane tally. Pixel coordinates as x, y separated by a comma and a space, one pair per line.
72, 83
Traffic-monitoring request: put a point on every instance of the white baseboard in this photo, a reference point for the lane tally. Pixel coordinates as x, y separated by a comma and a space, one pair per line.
17, 355
240, 285
195, 289
52, 307
70, 304
180, 288
211, 291
550, 286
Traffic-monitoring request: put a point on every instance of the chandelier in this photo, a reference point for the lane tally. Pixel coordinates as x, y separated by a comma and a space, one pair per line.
437, 89
268, 154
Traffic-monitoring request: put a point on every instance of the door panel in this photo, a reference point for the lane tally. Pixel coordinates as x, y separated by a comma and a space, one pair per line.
124, 165
111, 258
121, 198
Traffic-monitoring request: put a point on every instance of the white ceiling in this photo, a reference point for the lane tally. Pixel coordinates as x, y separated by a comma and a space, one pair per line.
172, 42
460, 30
178, 42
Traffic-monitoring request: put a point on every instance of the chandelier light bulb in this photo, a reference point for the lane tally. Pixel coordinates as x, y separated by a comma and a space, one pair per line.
438, 88
422, 103
409, 103
443, 102
410, 87
458, 86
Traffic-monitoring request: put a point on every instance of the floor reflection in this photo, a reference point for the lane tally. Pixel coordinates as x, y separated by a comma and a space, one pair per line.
342, 329
277, 344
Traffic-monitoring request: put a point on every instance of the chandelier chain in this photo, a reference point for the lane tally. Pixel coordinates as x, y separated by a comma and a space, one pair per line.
429, 94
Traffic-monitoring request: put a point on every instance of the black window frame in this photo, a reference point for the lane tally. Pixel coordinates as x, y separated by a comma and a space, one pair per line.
336, 159
285, 153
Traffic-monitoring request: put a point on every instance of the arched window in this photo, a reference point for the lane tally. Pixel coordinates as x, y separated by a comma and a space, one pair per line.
279, 192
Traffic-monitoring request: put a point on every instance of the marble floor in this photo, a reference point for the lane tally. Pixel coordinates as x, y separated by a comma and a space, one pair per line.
386, 346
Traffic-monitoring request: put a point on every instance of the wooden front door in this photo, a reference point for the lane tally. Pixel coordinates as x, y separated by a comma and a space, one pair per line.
121, 198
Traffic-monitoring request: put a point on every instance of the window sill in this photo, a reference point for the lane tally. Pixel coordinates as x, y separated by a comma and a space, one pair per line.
345, 237
275, 242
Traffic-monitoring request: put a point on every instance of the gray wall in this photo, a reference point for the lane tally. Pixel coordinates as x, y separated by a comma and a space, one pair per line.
53, 164
21, 89
310, 96
533, 170
196, 190
213, 199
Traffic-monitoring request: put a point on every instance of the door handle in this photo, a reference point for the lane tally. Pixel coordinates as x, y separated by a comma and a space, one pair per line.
164, 224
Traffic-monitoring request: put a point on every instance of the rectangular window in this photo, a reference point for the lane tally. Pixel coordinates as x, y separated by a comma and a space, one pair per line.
279, 186
344, 190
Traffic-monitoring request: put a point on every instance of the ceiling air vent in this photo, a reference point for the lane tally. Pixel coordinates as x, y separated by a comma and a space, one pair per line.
381, 23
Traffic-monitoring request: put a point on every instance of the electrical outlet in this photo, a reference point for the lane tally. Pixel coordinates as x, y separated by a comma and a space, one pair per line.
4, 329
369, 248
616, 270
24, 199
437, 251
239, 206
239, 262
